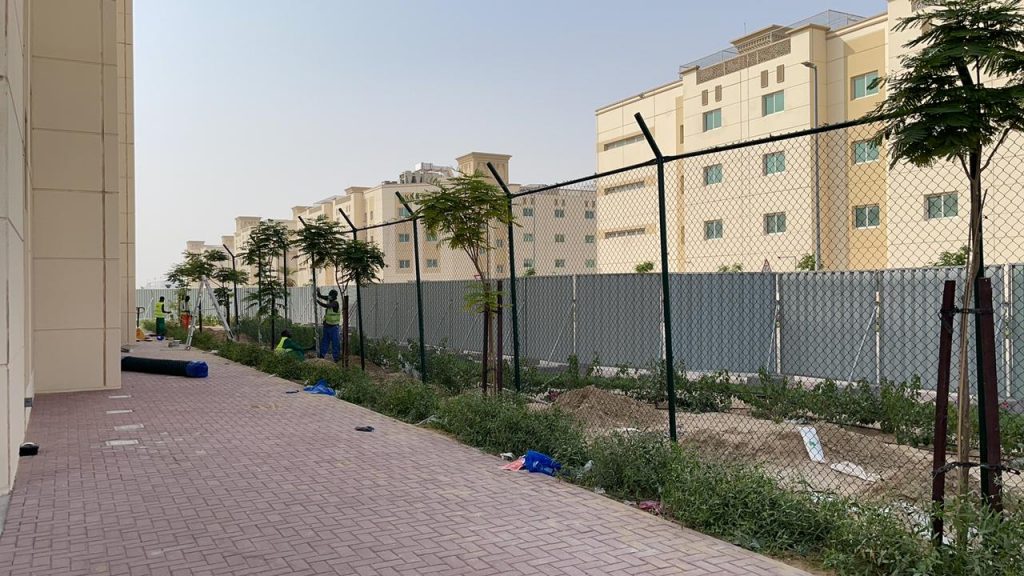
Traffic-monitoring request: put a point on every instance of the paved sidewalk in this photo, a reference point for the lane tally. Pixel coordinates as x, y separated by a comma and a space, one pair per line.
231, 476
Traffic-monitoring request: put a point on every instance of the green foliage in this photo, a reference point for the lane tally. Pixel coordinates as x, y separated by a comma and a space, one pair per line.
806, 263
853, 404
408, 400
937, 106
506, 424
267, 242
709, 393
958, 258
358, 261
776, 399
725, 268
460, 212
644, 267
633, 466
743, 505
452, 373
319, 241
904, 414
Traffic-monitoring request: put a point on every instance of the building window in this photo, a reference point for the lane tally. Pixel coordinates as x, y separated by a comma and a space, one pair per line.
527, 211
559, 213
774, 163
403, 238
865, 151
625, 233
712, 229
624, 188
775, 223
712, 119
941, 205
588, 214
590, 263
527, 237
403, 212
499, 243
528, 263
864, 85
623, 142
773, 103
431, 262
559, 263
712, 174
588, 239
866, 216
431, 237
500, 267
404, 264
559, 238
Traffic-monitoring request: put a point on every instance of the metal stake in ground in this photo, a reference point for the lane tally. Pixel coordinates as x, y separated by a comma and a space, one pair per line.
234, 282
511, 279
419, 286
942, 409
359, 301
988, 405
666, 305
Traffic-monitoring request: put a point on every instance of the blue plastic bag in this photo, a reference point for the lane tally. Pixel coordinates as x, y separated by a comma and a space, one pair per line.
197, 370
542, 463
321, 387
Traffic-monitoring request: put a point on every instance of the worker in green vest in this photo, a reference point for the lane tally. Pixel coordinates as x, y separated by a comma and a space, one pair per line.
332, 324
160, 314
286, 345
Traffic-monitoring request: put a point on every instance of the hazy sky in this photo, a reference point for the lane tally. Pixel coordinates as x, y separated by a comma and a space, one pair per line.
249, 107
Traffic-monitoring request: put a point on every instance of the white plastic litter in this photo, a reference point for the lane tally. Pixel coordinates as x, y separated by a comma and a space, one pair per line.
851, 469
813, 444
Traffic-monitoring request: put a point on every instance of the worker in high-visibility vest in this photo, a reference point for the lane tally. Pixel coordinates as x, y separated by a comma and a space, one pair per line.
287, 345
332, 324
160, 314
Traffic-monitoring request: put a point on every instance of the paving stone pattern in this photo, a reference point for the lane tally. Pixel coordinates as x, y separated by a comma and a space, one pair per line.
231, 476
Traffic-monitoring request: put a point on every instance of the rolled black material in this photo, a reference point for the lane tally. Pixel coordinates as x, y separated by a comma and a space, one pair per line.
166, 367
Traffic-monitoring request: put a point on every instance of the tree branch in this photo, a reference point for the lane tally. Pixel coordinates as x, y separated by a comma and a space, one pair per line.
963, 162
995, 148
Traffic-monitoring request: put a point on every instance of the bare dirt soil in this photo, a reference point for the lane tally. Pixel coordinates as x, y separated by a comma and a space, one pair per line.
897, 471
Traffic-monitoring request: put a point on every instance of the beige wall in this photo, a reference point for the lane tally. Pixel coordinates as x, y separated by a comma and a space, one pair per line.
66, 203
15, 284
82, 211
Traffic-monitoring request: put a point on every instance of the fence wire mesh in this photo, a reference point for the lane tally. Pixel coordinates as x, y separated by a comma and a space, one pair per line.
805, 277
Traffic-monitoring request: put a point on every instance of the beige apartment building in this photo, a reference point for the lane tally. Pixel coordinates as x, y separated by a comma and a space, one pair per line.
755, 207
66, 203
556, 235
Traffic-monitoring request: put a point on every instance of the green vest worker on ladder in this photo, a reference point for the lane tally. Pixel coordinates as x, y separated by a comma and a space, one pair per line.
288, 346
332, 324
160, 314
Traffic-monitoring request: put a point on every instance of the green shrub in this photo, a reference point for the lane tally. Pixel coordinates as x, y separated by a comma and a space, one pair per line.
1011, 427
633, 466
452, 373
385, 353
777, 399
407, 400
361, 390
853, 404
506, 424
746, 507
709, 393
905, 415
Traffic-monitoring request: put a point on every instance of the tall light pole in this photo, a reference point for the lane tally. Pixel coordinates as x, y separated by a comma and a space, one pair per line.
817, 173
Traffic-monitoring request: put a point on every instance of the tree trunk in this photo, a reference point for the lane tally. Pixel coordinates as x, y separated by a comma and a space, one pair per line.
974, 271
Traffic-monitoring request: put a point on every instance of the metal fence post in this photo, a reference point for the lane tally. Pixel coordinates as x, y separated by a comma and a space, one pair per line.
512, 282
666, 301
359, 301
419, 286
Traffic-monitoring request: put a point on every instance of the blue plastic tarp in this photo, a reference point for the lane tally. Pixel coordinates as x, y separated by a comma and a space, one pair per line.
320, 387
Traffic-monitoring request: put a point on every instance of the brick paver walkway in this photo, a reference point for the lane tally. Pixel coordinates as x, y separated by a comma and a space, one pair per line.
231, 476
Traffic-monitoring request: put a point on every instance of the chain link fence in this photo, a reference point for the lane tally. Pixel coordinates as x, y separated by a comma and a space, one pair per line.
801, 298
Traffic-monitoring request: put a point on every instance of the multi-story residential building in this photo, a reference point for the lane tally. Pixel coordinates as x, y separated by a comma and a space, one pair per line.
756, 205
555, 234
67, 207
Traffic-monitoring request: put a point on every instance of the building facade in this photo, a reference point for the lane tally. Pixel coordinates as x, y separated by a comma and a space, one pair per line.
67, 210
763, 206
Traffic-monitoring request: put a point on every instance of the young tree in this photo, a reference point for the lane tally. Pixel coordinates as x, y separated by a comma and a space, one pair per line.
460, 212
644, 267
806, 263
267, 242
958, 97
320, 241
207, 264
958, 258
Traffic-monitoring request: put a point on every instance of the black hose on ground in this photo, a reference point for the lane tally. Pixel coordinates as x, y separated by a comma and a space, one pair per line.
186, 368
